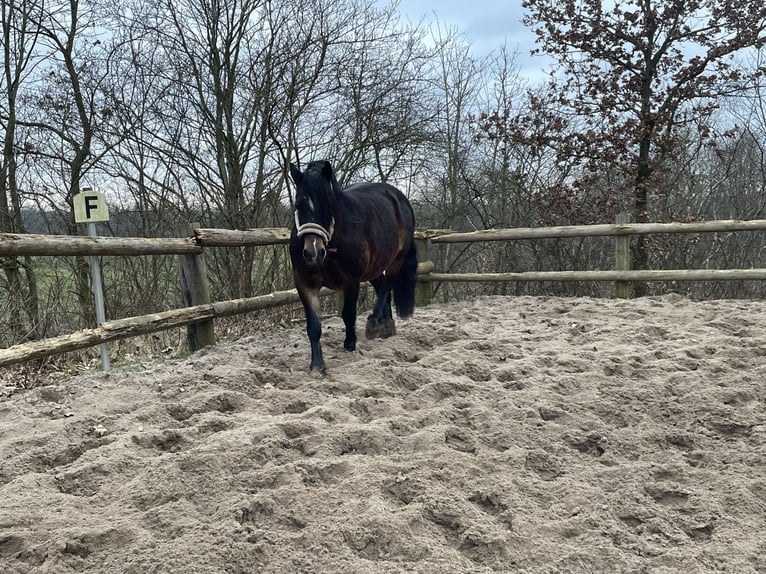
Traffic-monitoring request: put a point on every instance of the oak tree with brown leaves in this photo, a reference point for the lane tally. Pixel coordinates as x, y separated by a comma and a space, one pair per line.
633, 77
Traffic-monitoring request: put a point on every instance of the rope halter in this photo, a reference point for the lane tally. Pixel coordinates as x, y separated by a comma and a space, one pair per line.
315, 228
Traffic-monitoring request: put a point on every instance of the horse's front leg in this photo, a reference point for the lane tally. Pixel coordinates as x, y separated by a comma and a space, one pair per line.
310, 300
350, 297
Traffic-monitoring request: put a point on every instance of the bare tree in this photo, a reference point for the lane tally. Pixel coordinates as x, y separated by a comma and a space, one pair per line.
633, 74
19, 39
378, 118
64, 113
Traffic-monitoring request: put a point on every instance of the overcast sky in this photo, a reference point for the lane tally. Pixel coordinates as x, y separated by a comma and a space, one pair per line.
487, 24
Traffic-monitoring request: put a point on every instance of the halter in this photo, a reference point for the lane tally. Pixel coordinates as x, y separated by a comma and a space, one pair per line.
315, 228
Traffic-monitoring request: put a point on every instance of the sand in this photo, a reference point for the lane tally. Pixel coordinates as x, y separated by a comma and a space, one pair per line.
505, 434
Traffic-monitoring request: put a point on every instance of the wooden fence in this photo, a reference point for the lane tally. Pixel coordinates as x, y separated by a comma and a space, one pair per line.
199, 313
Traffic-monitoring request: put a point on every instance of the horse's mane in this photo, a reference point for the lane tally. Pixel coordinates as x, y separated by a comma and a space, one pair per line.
325, 170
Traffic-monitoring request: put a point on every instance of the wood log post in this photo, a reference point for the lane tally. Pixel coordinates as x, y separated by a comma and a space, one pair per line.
622, 289
195, 290
423, 287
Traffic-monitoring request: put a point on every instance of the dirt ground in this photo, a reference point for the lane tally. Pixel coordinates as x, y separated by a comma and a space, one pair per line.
512, 434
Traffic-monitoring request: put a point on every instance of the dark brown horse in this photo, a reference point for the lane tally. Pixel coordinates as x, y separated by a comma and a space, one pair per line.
343, 237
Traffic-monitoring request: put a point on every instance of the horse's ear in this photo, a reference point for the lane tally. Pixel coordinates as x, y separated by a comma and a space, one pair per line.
327, 171
296, 174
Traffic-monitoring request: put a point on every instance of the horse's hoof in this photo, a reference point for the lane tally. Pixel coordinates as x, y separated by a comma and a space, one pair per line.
379, 329
317, 371
389, 329
350, 346
372, 329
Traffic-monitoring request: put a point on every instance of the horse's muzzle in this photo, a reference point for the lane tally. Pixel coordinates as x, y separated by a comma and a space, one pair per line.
314, 250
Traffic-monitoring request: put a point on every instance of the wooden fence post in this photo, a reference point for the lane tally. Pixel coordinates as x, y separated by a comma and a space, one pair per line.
423, 288
195, 290
622, 289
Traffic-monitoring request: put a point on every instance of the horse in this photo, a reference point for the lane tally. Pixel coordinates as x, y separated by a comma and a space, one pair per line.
343, 237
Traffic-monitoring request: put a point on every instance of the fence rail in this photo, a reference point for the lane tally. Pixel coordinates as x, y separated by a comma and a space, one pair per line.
18, 245
606, 229
144, 325
14, 244
638, 275
192, 247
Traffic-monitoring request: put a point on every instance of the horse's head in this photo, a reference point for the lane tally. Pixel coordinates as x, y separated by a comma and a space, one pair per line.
316, 192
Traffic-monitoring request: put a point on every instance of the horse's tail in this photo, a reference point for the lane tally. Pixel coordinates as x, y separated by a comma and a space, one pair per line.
404, 287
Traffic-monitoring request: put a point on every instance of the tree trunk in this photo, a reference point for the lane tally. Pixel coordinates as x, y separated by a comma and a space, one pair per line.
23, 299
640, 253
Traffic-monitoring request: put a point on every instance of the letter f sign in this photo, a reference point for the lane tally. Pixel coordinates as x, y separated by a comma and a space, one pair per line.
90, 206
